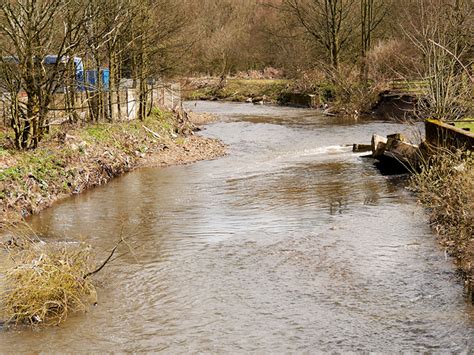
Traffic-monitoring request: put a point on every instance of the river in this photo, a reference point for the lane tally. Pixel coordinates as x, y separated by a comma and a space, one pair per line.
291, 243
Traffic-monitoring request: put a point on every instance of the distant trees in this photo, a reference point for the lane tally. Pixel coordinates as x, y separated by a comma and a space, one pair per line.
225, 36
145, 40
329, 22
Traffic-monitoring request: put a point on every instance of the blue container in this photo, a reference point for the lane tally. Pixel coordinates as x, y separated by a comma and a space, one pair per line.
105, 75
93, 83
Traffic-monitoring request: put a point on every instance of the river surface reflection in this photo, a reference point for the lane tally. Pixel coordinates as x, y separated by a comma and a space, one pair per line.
291, 243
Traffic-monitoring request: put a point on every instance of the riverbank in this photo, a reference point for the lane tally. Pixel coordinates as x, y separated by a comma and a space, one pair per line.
445, 185
235, 89
346, 100
72, 159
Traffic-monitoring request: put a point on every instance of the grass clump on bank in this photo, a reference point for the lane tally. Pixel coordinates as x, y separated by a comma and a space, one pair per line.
445, 185
44, 283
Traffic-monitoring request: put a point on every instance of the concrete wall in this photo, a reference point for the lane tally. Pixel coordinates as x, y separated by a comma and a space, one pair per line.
441, 134
299, 100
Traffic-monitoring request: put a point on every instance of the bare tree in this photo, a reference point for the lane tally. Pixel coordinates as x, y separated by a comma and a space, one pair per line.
441, 30
372, 12
155, 32
31, 30
328, 22
118, 18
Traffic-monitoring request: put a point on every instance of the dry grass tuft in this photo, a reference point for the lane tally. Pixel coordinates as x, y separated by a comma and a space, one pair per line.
44, 283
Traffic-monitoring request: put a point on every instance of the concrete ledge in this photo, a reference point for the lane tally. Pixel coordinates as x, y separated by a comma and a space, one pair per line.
299, 100
444, 135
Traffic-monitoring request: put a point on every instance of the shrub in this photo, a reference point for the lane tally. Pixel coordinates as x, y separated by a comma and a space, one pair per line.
393, 58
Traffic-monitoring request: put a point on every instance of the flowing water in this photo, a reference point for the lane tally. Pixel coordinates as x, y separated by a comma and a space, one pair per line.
291, 243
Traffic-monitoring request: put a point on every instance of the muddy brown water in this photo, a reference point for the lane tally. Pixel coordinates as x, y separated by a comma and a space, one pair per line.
291, 243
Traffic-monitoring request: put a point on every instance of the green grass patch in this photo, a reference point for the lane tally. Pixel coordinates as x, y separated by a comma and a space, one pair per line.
242, 89
99, 133
13, 173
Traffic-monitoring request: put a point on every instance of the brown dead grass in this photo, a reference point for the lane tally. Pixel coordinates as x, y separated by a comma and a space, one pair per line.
44, 283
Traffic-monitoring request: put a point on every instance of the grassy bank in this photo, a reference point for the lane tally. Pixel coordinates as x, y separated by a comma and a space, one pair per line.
445, 186
72, 159
239, 90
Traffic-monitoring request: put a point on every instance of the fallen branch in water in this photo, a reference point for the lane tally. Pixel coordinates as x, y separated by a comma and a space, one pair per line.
106, 261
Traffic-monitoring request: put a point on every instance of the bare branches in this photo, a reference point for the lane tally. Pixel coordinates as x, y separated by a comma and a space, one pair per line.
29, 29
438, 30
106, 261
327, 22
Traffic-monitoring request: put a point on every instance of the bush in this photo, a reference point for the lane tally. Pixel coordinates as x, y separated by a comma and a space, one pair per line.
351, 94
393, 58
